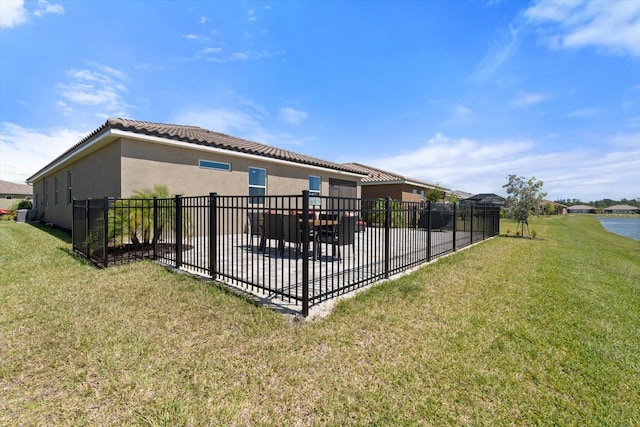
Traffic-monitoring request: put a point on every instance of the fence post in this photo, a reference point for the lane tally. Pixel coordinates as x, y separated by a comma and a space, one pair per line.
471, 227
178, 216
73, 224
387, 232
87, 227
455, 224
484, 221
213, 235
155, 227
105, 226
305, 253
429, 231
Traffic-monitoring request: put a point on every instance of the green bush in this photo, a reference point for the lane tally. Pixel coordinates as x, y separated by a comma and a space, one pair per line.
25, 204
8, 217
378, 214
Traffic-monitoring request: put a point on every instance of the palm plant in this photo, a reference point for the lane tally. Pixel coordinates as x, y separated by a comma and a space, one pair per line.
133, 218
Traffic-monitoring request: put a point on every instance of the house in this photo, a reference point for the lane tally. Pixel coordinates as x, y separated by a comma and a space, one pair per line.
553, 208
123, 156
486, 199
11, 192
379, 184
581, 209
461, 195
622, 209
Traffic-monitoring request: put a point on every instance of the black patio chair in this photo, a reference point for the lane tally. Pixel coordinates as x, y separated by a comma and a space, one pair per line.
293, 228
254, 225
272, 226
341, 235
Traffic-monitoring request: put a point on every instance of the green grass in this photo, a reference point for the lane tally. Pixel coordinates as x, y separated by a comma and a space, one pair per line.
509, 332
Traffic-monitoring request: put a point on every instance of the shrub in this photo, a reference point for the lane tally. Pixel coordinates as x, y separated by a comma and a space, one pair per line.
378, 214
25, 204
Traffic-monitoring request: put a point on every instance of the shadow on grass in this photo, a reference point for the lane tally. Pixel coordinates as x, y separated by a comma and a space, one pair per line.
59, 233
81, 260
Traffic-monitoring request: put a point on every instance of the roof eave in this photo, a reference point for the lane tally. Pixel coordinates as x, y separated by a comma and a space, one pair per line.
115, 133
105, 136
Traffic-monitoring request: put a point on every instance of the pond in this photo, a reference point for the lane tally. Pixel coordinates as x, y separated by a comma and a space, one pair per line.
628, 227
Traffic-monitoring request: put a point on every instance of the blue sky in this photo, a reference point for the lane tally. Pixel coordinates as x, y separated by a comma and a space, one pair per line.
460, 93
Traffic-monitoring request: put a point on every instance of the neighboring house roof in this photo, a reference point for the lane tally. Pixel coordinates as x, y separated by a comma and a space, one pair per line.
486, 198
580, 207
549, 202
622, 208
117, 127
377, 176
462, 194
7, 187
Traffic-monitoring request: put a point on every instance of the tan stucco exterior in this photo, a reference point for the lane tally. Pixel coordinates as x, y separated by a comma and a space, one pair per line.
125, 165
400, 191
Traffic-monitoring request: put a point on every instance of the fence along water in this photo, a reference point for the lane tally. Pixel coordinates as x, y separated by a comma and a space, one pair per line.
303, 250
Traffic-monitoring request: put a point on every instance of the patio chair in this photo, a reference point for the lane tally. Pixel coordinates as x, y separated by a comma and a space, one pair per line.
254, 227
293, 228
272, 230
341, 235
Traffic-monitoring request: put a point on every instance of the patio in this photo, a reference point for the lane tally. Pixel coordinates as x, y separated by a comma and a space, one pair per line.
224, 238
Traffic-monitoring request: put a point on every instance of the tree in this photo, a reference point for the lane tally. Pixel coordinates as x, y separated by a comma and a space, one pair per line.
433, 195
525, 196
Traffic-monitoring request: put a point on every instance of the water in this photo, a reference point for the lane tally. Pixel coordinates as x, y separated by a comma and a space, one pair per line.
628, 227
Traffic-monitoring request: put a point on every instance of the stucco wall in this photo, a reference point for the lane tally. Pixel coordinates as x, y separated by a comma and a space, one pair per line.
126, 165
92, 176
146, 164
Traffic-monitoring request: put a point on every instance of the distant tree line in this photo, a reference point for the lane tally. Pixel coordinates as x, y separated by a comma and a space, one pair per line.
604, 203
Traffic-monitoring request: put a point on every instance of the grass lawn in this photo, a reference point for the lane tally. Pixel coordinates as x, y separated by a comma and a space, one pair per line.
508, 332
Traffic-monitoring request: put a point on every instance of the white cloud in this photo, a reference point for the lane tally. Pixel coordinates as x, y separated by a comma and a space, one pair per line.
203, 20
103, 88
24, 151
585, 112
482, 166
44, 8
12, 13
462, 111
208, 50
242, 56
497, 54
292, 116
527, 99
247, 120
613, 26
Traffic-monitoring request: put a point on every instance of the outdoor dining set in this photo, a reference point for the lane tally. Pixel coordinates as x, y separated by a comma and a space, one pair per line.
333, 229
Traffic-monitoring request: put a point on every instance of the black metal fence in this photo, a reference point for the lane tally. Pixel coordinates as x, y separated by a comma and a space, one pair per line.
302, 249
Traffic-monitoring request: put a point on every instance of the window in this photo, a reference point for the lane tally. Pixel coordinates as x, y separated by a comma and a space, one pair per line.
314, 185
220, 166
69, 198
422, 195
257, 185
46, 193
55, 190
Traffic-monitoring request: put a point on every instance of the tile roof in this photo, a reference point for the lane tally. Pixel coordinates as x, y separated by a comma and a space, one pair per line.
580, 207
621, 208
200, 136
375, 175
7, 187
